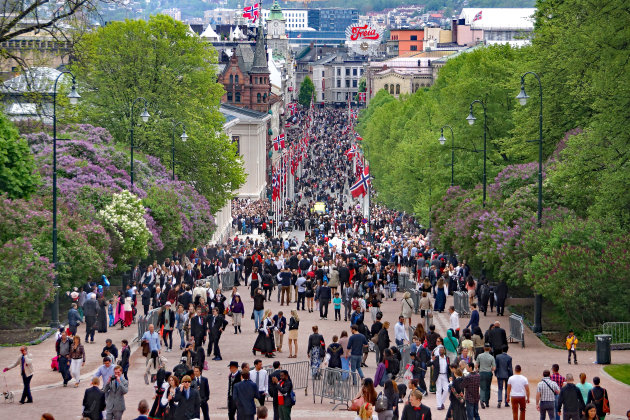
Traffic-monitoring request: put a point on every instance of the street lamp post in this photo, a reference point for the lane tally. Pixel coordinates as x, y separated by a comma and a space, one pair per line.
522, 98
74, 98
471, 120
184, 137
442, 141
145, 117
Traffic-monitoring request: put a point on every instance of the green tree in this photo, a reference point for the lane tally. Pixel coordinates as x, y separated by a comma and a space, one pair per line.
307, 89
158, 60
18, 178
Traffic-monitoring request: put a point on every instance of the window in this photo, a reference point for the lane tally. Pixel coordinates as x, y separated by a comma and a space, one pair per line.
259, 98
265, 98
397, 89
338, 72
391, 89
413, 48
354, 83
322, 73
386, 87
229, 96
238, 97
414, 37
338, 83
237, 140
231, 79
347, 72
347, 83
236, 79
354, 72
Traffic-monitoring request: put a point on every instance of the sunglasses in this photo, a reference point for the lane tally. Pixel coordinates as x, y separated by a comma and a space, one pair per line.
186, 382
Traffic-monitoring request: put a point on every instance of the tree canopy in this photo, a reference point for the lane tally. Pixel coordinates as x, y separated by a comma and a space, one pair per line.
307, 89
17, 167
176, 74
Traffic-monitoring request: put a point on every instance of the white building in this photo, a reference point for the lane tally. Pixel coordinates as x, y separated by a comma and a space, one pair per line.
174, 13
512, 26
296, 19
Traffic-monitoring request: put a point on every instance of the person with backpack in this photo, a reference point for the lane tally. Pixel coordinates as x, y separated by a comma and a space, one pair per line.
599, 396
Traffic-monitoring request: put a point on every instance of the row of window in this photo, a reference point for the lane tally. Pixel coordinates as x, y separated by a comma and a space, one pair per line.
37, 44
354, 83
391, 88
256, 80
237, 98
355, 71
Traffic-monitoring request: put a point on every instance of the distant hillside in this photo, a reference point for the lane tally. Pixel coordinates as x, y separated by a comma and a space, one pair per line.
195, 8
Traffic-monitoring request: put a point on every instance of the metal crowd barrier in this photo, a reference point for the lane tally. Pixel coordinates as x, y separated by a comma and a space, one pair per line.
227, 280
402, 281
462, 306
405, 352
620, 332
340, 386
144, 322
415, 296
299, 372
517, 329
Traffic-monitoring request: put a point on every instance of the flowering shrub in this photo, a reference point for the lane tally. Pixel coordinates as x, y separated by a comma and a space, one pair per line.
27, 283
124, 219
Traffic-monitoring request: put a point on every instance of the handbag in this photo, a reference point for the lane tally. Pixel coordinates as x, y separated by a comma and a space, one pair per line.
604, 401
357, 403
381, 403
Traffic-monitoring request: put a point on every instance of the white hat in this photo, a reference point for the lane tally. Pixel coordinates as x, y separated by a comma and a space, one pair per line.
168, 303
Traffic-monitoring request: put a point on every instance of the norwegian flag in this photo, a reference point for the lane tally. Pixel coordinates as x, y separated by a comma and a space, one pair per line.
359, 165
477, 16
361, 96
278, 142
358, 137
287, 124
275, 187
292, 107
252, 12
361, 186
351, 152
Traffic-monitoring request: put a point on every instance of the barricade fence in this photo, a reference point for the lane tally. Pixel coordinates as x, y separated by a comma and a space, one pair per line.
299, 372
405, 353
339, 386
227, 280
461, 303
620, 333
517, 329
145, 320
403, 279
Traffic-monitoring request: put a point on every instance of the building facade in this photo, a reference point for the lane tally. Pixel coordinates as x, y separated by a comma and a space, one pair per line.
334, 19
277, 39
296, 19
409, 40
245, 76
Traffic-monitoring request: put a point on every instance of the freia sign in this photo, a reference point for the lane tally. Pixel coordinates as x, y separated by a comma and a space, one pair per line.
363, 39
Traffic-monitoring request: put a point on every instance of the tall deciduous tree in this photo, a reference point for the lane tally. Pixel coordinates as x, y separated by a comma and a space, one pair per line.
307, 88
176, 73
17, 168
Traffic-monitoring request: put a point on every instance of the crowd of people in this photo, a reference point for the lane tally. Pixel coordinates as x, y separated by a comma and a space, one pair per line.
345, 261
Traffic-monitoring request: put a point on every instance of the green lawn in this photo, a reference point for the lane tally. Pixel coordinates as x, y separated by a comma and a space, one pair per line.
619, 372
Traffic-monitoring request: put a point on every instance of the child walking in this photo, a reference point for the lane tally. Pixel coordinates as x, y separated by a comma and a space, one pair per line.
337, 306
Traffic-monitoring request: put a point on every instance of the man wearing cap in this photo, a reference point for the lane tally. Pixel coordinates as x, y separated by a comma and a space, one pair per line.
233, 378
187, 400
166, 319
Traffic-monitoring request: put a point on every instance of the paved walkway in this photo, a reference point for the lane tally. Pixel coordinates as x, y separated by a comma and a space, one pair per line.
65, 403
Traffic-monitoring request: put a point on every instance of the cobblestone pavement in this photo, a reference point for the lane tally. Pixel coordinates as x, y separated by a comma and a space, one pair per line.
65, 403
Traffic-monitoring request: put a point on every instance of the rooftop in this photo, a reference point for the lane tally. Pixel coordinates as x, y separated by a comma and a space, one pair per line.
499, 18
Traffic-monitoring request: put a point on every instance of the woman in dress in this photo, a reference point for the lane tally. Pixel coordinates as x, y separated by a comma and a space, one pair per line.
316, 350
102, 318
77, 359
406, 307
128, 306
219, 301
163, 389
440, 298
238, 310
294, 325
265, 343
309, 293
119, 314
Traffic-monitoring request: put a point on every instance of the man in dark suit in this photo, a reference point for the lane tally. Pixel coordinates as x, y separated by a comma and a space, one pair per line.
90, 310
146, 298
244, 394
201, 385
93, 401
233, 378
503, 372
273, 388
187, 400
159, 299
198, 329
501, 291
189, 277
497, 338
215, 324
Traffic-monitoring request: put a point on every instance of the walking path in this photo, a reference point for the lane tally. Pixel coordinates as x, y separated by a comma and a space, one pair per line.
65, 403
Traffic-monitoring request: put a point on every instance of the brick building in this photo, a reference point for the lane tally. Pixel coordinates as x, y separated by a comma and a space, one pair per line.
246, 76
